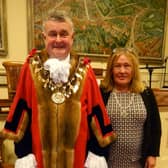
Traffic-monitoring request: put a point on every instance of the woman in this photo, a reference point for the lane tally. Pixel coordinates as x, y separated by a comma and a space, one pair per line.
133, 112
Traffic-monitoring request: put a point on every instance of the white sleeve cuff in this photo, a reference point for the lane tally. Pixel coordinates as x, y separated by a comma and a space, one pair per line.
95, 161
28, 161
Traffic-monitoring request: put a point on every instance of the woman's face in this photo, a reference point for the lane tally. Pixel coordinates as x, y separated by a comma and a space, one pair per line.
122, 72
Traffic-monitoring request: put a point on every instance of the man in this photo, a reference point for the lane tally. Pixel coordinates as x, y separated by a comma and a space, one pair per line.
57, 110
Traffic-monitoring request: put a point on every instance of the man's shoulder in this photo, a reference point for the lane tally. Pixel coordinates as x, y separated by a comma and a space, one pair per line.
35, 53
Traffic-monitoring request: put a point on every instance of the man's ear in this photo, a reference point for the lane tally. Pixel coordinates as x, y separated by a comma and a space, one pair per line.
73, 35
43, 35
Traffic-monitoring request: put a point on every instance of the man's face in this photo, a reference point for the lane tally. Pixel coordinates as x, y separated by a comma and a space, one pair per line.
58, 38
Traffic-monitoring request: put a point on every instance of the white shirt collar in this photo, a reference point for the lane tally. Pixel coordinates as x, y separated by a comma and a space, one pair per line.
66, 59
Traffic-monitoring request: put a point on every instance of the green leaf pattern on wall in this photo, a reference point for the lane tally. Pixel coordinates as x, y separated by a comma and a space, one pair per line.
102, 25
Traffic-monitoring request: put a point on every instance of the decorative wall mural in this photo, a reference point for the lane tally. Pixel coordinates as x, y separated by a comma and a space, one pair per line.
102, 25
3, 28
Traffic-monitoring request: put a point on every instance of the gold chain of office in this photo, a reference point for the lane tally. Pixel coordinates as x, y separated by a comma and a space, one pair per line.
60, 91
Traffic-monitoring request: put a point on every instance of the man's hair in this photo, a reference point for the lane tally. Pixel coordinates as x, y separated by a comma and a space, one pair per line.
58, 16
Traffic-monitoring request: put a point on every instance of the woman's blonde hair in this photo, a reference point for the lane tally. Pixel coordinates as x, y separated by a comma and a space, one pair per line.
136, 84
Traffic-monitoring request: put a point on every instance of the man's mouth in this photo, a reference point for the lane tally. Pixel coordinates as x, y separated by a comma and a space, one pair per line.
59, 46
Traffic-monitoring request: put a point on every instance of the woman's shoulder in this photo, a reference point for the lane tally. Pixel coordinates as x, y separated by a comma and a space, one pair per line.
105, 94
147, 91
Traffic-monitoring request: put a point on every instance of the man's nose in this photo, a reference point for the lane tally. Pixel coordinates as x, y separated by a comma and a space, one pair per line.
58, 37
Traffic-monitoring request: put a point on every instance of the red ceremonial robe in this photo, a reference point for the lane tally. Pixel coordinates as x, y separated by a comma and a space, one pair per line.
57, 134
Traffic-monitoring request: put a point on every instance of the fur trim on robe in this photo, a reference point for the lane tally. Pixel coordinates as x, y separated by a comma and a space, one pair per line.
57, 133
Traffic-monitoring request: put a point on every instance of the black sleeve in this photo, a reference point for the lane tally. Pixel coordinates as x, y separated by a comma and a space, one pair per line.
152, 128
24, 147
93, 144
94, 147
155, 126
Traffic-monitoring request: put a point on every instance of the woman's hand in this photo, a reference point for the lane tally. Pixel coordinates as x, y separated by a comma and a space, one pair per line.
150, 162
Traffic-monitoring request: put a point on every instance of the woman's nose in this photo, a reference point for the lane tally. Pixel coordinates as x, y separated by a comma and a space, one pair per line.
122, 69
